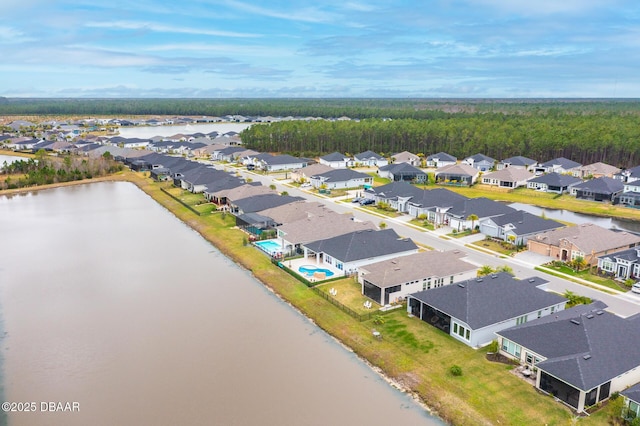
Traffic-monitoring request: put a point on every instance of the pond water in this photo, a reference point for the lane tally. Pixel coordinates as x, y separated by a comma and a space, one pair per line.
110, 302
578, 218
9, 159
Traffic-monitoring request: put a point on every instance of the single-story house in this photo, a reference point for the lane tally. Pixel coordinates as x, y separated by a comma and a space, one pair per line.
631, 402
304, 174
517, 227
553, 182
293, 235
473, 311
434, 203
518, 162
341, 178
558, 165
395, 194
369, 159
441, 159
335, 160
274, 163
226, 153
624, 264
261, 202
406, 157
629, 175
580, 356
392, 280
459, 215
599, 189
197, 180
596, 170
510, 177
350, 251
480, 161
587, 241
402, 171
457, 174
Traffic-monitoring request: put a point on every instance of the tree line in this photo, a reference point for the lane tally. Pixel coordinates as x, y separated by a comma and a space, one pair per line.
45, 170
610, 138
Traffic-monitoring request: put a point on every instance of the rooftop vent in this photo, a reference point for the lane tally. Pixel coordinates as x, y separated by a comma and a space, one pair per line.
586, 357
599, 313
479, 280
575, 321
532, 280
460, 285
494, 276
589, 316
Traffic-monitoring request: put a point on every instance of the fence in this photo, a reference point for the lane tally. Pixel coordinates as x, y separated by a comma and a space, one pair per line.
181, 202
360, 317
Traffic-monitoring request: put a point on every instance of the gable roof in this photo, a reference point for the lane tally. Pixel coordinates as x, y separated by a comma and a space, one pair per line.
556, 179
525, 223
276, 160
341, 175
404, 156
477, 158
600, 169
363, 245
601, 185
589, 238
519, 160
586, 349
401, 168
416, 266
481, 207
313, 169
633, 393
437, 197
368, 155
442, 156
327, 225
261, 202
510, 174
457, 170
489, 300
565, 163
334, 156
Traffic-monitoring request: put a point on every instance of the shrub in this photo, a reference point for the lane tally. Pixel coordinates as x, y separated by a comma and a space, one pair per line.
455, 370
378, 320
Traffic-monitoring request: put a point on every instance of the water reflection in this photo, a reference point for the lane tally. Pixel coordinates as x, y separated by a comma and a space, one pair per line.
109, 301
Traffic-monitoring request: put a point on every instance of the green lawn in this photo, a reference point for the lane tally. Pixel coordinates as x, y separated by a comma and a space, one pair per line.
494, 246
349, 294
379, 181
588, 276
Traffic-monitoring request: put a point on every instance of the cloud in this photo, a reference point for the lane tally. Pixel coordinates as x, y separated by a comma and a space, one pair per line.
9, 35
309, 14
160, 28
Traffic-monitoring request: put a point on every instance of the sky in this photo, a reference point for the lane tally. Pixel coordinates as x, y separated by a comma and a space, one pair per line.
320, 49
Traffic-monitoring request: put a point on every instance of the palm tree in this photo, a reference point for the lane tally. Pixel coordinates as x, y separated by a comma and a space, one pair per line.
485, 270
472, 217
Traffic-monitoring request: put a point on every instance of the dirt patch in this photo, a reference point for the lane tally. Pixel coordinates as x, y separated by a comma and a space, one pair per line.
498, 357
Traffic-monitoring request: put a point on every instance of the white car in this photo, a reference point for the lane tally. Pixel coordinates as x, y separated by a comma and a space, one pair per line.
305, 185
636, 287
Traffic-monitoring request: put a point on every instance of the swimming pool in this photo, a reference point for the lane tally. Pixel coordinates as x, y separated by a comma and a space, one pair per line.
309, 270
271, 247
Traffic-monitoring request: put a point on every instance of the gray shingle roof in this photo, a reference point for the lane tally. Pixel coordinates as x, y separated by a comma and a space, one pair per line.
334, 156
565, 163
526, 223
519, 161
341, 175
282, 159
633, 393
489, 300
584, 350
602, 185
368, 155
401, 168
482, 207
261, 202
442, 156
363, 245
556, 179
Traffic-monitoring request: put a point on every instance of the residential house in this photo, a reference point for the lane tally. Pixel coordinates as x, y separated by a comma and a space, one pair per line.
517, 227
406, 157
596, 170
629, 175
402, 172
341, 178
20, 125
274, 163
510, 177
581, 356
587, 241
599, 189
199, 179
518, 162
225, 196
434, 204
480, 162
460, 215
304, 174
260, 202
348, 252
369, 159
553, 182
394, 279
623, 265
631, 194
457, 174
335, 160
631, 402
441, 159
558, 165
22, 143
473, 311
323, 224
226, 153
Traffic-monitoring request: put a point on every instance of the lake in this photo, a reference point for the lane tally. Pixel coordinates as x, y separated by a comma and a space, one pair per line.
109, 301
10, 159
579, 218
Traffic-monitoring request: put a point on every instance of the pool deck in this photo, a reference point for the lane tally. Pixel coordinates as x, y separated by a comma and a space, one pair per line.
296, 263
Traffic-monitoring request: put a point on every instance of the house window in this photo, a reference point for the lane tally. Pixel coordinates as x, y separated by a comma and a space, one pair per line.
521, 320
607, 266
539, 314
461, 331
511, 348
451, 279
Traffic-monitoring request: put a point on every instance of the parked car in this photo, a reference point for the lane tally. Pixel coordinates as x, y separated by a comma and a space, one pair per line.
305, 185
367, 201
636, 287
356, 200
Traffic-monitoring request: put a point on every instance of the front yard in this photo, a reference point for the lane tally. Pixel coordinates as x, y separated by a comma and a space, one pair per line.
586, 275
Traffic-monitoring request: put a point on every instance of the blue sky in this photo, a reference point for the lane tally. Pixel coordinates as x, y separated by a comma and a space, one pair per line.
328, 48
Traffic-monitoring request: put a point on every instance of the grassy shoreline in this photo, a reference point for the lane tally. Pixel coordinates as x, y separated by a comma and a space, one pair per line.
411, 354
